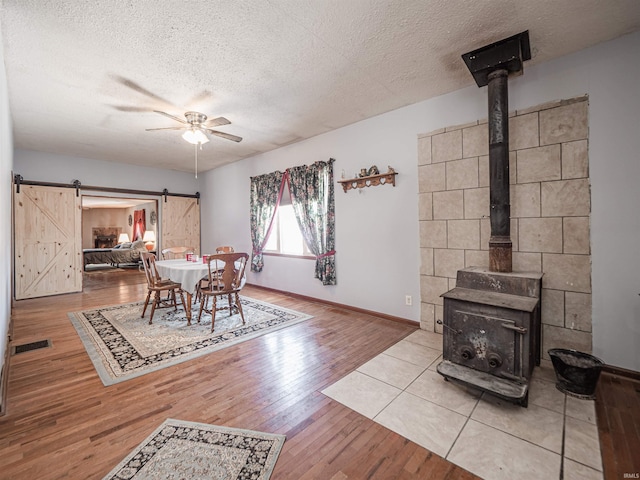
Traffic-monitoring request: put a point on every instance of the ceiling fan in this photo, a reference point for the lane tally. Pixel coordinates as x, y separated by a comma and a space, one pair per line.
196, 127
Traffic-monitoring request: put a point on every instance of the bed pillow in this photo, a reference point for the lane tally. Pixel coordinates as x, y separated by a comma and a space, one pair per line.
138, 245
124, 245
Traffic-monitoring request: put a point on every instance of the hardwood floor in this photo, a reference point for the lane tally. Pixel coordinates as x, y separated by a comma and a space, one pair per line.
618, 413
61, 421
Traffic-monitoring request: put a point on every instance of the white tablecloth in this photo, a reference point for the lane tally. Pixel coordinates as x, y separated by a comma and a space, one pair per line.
187, 274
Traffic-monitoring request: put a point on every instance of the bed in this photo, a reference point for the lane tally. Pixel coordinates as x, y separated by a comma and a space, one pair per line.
125, 253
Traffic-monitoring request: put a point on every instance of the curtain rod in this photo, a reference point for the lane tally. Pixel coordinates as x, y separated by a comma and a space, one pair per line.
18, 180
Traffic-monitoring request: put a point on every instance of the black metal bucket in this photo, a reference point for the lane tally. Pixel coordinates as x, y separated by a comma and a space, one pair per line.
577, 373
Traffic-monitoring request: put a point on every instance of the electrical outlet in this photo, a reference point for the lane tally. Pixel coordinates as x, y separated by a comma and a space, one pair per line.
408, 300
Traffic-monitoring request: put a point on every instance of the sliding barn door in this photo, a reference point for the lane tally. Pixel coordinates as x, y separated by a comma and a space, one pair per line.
48, 241
180, 223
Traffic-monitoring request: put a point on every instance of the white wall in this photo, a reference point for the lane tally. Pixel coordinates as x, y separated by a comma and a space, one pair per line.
377, 228
6, 163
615, 172
49, 167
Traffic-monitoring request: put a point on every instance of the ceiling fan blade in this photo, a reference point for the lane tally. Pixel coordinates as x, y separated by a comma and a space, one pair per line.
228, 136
177, 119
216, 122
131, 108
166, 128
140, 89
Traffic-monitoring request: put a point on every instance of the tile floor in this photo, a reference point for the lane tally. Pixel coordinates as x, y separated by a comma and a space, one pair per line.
555, 437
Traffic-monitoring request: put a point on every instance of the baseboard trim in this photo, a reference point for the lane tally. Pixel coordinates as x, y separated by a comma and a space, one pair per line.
4, 372
4, 380
393, 318
622, 372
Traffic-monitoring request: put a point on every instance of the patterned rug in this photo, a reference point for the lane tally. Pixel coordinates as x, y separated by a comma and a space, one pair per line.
179, 449
122, 345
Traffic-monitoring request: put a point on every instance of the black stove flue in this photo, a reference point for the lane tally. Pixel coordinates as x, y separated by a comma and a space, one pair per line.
491, 65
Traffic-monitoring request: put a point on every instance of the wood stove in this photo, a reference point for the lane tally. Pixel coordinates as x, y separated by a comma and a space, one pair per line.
491, 337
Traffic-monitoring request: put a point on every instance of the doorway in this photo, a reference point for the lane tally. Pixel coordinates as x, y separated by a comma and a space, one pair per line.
116, 229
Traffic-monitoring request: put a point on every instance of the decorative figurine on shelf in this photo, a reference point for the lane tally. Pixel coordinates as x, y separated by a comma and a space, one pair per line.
373, 170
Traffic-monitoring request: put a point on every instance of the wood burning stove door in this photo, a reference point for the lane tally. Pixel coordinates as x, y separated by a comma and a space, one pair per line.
484, 339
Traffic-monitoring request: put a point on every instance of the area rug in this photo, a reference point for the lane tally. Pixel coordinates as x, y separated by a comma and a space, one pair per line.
181, 450
122, 345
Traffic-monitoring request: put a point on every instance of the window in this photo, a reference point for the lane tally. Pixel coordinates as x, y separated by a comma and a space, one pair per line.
285, 237
313, 186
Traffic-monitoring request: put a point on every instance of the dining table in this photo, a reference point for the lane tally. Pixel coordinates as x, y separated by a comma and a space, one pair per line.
187, 273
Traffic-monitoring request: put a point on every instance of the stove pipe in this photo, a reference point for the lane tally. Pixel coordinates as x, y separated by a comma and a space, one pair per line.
500, 216
491, 65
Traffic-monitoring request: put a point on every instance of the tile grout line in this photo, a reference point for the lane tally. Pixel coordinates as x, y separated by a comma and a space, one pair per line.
516, 436
402, 390
386, 383
513, 434
423, 371
564, 429
463, 427
582, 420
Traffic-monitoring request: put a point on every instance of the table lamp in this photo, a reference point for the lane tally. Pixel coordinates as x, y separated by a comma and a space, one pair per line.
149, 239
123, 238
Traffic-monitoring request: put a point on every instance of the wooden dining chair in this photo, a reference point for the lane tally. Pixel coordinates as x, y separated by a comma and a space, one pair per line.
226, 278
205, 281
156, 284
171, 253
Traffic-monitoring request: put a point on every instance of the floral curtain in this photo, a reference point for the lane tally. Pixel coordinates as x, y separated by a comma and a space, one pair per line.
312, 197
266, 192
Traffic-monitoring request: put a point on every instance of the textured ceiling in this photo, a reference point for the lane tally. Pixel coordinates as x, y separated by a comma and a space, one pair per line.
85, 76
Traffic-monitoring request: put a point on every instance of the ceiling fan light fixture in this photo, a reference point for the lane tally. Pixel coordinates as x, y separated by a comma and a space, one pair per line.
195, 136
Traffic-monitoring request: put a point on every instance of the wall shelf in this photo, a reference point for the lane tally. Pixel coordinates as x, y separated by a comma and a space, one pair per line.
388, 178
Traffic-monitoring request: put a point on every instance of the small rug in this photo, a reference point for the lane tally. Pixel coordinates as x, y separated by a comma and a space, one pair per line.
181, 450
122, 345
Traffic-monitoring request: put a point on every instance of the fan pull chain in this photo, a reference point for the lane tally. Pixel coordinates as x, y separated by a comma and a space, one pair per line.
196, 148
196, 145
